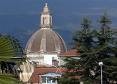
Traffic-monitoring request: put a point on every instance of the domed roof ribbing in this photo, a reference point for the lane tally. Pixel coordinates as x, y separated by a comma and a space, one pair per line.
45, 39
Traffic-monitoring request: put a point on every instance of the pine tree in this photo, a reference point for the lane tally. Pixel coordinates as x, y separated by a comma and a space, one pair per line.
108, 54
94, 46
73, 65
86, 42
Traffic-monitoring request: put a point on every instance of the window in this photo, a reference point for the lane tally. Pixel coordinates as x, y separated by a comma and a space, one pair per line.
46, 79
50, 78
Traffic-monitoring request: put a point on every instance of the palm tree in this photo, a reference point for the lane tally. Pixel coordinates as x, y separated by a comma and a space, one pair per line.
10, 52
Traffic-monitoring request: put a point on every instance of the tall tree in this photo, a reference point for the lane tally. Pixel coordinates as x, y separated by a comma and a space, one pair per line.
73, 65
108, 54
85, 43
94, 46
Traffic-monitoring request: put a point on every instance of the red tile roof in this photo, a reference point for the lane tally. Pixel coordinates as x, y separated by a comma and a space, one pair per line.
38, 71
70, 53
43, 70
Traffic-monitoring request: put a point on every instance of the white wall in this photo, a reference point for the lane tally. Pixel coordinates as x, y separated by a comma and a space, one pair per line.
42, 58
35, 57
48, 58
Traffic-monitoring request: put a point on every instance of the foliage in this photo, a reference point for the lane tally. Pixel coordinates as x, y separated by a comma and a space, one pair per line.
68, 81
72, 73
94, 46
8, 79
99, 46
10, 54
9, 48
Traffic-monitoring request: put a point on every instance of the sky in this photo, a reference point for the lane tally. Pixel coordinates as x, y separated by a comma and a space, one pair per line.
21, 18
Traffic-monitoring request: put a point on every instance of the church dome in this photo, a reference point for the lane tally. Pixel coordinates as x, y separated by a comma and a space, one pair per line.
45, 40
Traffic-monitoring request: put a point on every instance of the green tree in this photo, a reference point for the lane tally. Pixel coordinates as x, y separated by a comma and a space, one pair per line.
73, 65
85, 43
10, 52
73, 71
94, 46
108, 54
